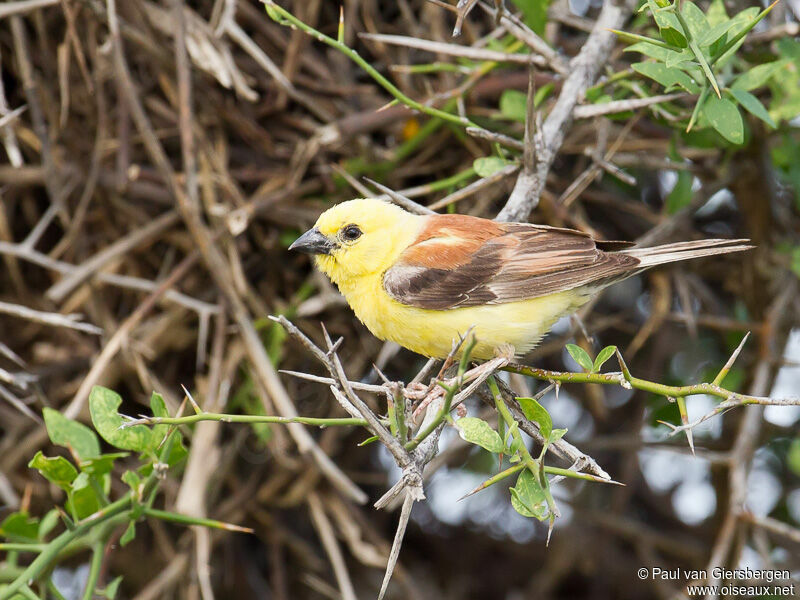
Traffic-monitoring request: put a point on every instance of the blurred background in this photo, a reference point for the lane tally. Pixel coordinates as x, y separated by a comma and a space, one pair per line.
94, 127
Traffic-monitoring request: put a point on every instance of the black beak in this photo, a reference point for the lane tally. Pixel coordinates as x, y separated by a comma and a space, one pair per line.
313, 242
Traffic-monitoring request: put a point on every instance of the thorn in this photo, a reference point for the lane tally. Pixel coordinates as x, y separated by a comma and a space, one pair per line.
623, 367
387, 106
327, 336
381, 375
181, 407
724, 371
195, 406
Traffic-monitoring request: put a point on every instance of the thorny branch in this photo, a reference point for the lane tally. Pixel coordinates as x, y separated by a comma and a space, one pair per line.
583, 70
112, 259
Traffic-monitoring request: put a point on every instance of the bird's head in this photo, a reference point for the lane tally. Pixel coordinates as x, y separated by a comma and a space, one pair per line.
357, 238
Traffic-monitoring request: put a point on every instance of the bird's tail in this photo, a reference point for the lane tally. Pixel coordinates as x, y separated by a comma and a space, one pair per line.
658, 255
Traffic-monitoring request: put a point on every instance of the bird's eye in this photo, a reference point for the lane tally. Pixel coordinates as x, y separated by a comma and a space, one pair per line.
350, 233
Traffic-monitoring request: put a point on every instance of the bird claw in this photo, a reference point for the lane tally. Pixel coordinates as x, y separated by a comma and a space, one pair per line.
430, 395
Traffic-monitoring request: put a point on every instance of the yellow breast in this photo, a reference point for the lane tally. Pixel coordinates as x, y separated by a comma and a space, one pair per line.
432, 332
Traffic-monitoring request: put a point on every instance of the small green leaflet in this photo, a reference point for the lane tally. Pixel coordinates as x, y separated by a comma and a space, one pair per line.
758, 75
103, 404
667, 76
57, 469
752, 105
527, 496
580, 356
478, 431
534, 411
71, 434
486, 166
602, 357
725, 118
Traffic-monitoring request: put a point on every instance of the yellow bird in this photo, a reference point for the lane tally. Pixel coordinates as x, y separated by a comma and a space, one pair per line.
424, 280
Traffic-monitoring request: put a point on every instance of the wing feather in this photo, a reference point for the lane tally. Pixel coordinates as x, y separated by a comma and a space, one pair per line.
460, 261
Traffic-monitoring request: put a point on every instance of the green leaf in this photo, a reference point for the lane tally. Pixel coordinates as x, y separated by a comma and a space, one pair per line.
664, 55
49, 521
668, 25
486, 166
698, 54
101, 465
753, 106
513, 105
711, 35
758, 75
159, 409
667, 76
725, 118
673, 37
275, 15
680, 59
129, 535
70, 434
82, 499
743, 23
478, 431
789, 48
534, 13
534, 411
602, 357
542, 93
580, 356
178, 452
635, 37
20, 527
103, 404
716, 13
695, 19
57, 469
527, 496
158, 406
556, 435
110, 591
681, 194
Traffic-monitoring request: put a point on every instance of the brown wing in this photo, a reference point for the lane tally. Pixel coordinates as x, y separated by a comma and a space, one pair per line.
460, 261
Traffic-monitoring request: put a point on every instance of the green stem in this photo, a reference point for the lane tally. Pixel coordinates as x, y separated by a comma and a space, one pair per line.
28, 593
535, 466
51, 587
225, 418
444, 412
119, 508
635, 37
698, 53
14, 547
735, 40
547, 469
502, 409
187, 520
48, 554
274, 9
696, 112
674, 391
94, 569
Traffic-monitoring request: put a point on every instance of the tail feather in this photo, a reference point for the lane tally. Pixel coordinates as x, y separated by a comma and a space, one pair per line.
658, 255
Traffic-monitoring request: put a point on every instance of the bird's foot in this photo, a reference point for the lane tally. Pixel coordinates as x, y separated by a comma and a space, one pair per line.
431, 393
506, 351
